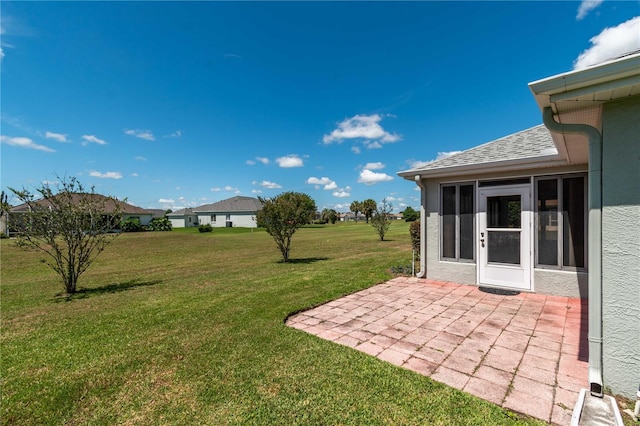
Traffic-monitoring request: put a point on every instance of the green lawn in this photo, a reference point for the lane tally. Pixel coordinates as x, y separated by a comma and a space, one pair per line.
188, 328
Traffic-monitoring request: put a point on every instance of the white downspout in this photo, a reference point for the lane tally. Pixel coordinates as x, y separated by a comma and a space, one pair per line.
595, 242
423, 228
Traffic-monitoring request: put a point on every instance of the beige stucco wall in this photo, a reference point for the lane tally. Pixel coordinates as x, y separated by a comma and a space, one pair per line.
621, 246
546, 281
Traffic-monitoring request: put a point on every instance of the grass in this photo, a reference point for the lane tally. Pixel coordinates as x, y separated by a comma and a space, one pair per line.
188, 328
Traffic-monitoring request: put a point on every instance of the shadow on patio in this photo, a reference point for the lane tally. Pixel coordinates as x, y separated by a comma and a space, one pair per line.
526, 352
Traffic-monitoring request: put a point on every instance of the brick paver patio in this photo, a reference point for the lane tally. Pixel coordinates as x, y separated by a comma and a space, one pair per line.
525, 352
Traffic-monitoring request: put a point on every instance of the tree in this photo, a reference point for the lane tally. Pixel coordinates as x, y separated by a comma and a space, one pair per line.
368, 207
71, 227
283, 214
329, 216
410, 214
356, 207
381, 219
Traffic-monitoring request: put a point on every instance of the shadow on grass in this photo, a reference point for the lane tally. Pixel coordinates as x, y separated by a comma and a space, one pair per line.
304, 261
83, 293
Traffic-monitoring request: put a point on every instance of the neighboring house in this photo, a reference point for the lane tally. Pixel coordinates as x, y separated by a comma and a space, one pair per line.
553, 209
127, 211
157, 213
350, 216
232, 212
236, 211
184, 218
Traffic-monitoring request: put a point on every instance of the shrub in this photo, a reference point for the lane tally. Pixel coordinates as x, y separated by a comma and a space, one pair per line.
205, 228
131, 225
414, 230
3, 235
160, 224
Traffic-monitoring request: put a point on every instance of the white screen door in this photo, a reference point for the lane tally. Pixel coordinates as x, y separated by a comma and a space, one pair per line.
504, 240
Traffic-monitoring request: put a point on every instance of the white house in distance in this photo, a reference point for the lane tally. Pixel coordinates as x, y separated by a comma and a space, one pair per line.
554, 209
233, 212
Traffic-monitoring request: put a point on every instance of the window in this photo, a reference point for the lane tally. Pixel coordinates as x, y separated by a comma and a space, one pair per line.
228, 217
213, 218
561, 222
457, 222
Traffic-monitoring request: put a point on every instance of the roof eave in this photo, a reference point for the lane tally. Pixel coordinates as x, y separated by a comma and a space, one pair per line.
590, 80
544, 161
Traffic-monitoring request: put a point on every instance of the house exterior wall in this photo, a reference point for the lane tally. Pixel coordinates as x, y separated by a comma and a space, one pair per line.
183, 221
621, 245
145, 219
545, 281
237, 219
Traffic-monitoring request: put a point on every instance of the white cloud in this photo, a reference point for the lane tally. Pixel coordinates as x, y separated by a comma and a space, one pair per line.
322, 181
446, 154
328, 183
60, 137
361, 127
251, 162
139, 158
611, 43
289, 161
176, 134
341, 194
587, 6
134, 174
226, 188
373, 145
142, 134
256, 191
24, 143
269, 185
369, 178
374, 166
106, 175
263, 160
416, 164
330, 186
92, 138
166, 201
355, 150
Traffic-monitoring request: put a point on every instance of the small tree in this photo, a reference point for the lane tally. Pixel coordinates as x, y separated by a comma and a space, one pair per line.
72, 227
381, 219
283, 214
414, 231
368, 207
356, 207
410, 214
329, 216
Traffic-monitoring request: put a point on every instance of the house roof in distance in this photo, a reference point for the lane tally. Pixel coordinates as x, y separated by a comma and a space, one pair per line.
231, 205
531, 145
76, 197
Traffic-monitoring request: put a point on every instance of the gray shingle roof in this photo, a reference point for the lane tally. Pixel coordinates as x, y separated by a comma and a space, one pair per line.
230, 205
109, 204
531, 143
181, 212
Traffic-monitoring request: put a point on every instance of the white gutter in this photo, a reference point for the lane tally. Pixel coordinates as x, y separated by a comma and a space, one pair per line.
423, 228
595, 242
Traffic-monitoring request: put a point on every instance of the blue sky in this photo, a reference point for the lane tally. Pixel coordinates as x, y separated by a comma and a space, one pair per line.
174, 104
